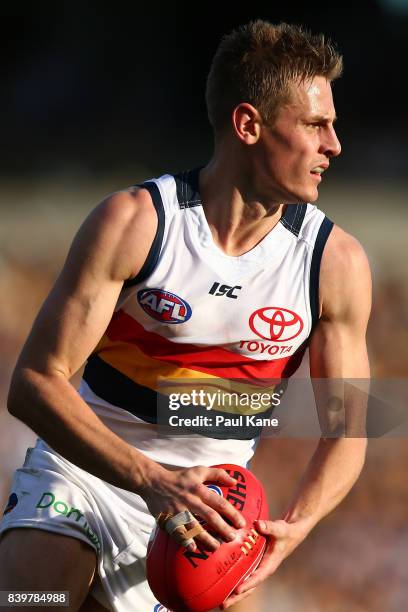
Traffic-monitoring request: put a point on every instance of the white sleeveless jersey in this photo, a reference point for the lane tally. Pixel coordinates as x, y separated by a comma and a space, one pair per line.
198, 319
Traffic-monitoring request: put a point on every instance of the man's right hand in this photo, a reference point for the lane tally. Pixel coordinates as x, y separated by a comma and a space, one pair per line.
172, 491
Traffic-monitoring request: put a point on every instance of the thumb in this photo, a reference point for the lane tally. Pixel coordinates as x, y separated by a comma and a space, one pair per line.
277, 529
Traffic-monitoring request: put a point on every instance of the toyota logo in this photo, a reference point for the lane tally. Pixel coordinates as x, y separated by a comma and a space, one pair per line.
277, 324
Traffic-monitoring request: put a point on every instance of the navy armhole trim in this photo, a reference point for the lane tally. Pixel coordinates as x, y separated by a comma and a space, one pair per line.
321, 239
154, 252
293, 217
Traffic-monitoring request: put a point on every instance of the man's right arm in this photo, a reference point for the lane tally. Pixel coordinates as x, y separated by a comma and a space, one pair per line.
110, 247
66, 330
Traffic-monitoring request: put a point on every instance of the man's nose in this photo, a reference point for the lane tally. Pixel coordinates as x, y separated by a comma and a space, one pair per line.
331, 144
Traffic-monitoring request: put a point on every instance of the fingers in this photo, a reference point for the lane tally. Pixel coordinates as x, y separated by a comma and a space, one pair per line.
176, 526
235, 598
223, 507
214, 509
267, 566
184, 531
216, 506
219, 475
203, 538
254, 580
277, 533
185, 537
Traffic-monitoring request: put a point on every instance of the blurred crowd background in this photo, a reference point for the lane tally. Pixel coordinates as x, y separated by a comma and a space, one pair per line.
98, 96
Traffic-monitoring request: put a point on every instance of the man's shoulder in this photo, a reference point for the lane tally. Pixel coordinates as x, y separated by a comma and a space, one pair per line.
120, 231
126, 206
345, 272
343, 250
128, 216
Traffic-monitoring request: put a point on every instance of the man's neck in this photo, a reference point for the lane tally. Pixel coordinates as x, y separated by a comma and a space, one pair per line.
238, 217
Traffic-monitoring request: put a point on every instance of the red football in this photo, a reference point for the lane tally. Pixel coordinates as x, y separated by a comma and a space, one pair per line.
198, 581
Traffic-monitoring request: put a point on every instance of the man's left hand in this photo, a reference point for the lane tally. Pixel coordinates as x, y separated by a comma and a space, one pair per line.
282, 539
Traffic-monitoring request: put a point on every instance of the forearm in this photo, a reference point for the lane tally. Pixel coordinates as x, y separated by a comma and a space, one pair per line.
52, 407
331, 473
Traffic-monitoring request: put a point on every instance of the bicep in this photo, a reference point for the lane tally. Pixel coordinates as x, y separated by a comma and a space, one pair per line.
338, 343
339, 364
70, 323
79, 307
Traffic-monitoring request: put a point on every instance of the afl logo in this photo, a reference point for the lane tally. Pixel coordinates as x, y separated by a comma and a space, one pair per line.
164, 306
159, 608
277, 324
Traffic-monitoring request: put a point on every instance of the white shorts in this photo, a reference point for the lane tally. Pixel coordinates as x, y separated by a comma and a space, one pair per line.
51, 493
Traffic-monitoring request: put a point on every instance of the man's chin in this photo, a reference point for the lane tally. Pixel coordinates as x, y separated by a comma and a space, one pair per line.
310, 196
296, 197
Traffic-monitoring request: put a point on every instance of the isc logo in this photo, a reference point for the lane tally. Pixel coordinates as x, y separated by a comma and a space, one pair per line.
218, 289
164, 306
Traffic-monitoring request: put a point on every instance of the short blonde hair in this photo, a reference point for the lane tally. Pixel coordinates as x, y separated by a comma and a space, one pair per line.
258, 62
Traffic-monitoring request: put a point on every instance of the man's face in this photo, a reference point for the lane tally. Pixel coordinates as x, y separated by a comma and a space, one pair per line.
297, 148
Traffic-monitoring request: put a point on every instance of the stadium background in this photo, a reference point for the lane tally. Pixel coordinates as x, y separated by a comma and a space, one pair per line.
98, 96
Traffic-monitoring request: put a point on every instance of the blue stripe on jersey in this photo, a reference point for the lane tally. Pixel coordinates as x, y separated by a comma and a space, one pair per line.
154, 252
321, 239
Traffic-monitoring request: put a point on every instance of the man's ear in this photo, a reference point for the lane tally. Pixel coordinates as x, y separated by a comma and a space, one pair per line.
246, 122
